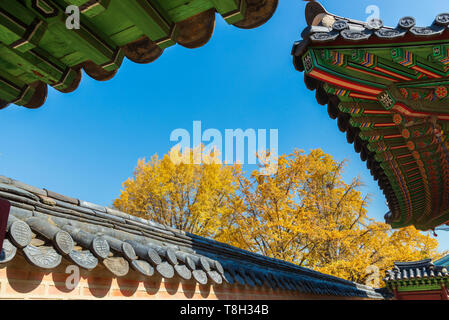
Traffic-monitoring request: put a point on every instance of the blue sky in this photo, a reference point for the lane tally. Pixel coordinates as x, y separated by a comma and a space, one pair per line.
86, 143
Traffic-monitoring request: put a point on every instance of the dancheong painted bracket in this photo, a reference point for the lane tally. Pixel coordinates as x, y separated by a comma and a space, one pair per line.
389, 89
37, 49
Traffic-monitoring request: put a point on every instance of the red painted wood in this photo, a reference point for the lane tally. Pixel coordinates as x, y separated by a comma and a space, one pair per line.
444, 293
5, 207
396, 293
422, 295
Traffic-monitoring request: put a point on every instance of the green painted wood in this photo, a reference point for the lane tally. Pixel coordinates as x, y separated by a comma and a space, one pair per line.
182, 10
36, 46
421, 194
418, 287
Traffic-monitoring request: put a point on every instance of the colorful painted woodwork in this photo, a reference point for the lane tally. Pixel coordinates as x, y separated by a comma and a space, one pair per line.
389, 89
419, 280
37, 49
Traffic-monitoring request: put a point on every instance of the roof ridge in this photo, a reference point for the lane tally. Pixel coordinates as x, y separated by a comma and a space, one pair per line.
413, 263
81, 203
343, 29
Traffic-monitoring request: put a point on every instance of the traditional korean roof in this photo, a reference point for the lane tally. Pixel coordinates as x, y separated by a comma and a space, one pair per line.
417, 275
388, 87
46, 227
443, 262
37, 49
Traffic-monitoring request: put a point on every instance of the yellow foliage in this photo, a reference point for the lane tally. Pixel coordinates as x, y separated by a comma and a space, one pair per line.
196, 198
303, 213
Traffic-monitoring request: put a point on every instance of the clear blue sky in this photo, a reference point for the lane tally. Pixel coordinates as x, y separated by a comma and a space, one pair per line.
85, 144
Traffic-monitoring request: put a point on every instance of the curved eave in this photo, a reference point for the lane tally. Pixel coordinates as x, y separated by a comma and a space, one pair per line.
352, 134
328, 31
30, 90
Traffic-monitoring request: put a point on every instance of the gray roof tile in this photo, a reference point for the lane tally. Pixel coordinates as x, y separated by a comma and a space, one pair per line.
89, 235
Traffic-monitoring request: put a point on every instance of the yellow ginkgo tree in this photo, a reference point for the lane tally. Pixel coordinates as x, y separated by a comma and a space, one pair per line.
174, 191
302, 212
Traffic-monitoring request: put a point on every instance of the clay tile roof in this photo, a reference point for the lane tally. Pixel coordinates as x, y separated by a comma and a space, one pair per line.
413, 271
326, 27
46, 229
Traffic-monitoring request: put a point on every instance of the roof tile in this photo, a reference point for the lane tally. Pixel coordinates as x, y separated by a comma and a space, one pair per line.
119, 242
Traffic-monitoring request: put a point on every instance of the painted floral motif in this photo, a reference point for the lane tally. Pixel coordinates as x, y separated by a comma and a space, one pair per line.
429, 94
404, 92
415, 95
421, 145
441, 92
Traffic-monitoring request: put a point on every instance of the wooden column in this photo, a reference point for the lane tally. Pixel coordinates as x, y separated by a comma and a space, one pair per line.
396, 293
444, 293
